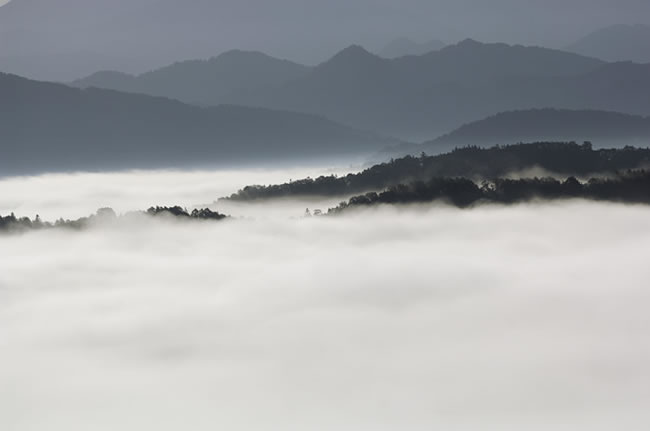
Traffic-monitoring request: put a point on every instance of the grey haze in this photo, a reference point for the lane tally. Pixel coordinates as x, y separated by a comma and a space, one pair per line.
74, 38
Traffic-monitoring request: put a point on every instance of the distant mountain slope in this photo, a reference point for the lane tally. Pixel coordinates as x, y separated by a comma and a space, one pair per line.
63, 40
616, 43
413, 97
608, 129
418, 95
470, 60
475, 163
405, 46
206, 82
52, 127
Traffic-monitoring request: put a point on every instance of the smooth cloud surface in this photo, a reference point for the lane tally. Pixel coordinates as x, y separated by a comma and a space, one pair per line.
79, 194
505, 318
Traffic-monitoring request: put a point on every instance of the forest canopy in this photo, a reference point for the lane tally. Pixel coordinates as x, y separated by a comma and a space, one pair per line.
11, 223
561, 158
628, 187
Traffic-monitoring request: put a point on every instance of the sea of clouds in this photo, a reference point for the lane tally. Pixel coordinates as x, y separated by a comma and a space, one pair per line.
74, 195
529, 317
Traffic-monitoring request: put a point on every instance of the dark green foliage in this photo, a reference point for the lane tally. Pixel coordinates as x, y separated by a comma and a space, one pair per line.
630, 187
471, 162
11, 223
172, 211
200, 214
206, 214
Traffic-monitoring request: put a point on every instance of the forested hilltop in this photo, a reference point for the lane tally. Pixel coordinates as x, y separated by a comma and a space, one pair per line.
11, 223
562, 158
629, 187
607, 129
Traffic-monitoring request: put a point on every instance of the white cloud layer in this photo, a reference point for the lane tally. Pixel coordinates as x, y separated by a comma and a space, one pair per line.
499, 318
79, 194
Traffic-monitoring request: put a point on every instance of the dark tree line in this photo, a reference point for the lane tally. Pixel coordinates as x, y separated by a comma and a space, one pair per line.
11, 223
197, 214
628, 187
563, 158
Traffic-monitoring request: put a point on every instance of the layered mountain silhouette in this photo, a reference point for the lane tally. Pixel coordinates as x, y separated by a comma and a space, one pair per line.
63, 40
416, 97
616, 43
605, 129
207, 82
413, 97
404, 46
53, 127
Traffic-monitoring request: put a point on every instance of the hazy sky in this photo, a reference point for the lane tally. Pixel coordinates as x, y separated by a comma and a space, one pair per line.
305, 30
68, 39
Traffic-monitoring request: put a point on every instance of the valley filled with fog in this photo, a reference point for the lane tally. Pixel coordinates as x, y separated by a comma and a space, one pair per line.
528, 316
308, 215
80, 194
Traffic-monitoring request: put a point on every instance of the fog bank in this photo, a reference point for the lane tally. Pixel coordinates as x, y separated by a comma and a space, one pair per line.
77, 195
498, 318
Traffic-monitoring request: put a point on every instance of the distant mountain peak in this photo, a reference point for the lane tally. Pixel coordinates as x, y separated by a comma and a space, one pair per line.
469, 42
499, 51
619, 42
353, 51
206, 81
473, 44
105, 79
404, 46
111, 73
354, 55
238, 53
470, 45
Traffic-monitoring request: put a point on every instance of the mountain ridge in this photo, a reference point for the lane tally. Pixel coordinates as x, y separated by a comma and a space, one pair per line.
404, 46
416, 97
603, 128
52, 127
207, 82
620, 42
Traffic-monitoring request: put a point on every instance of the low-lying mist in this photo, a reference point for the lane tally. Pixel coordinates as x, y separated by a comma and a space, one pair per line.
77, 195
528, 317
